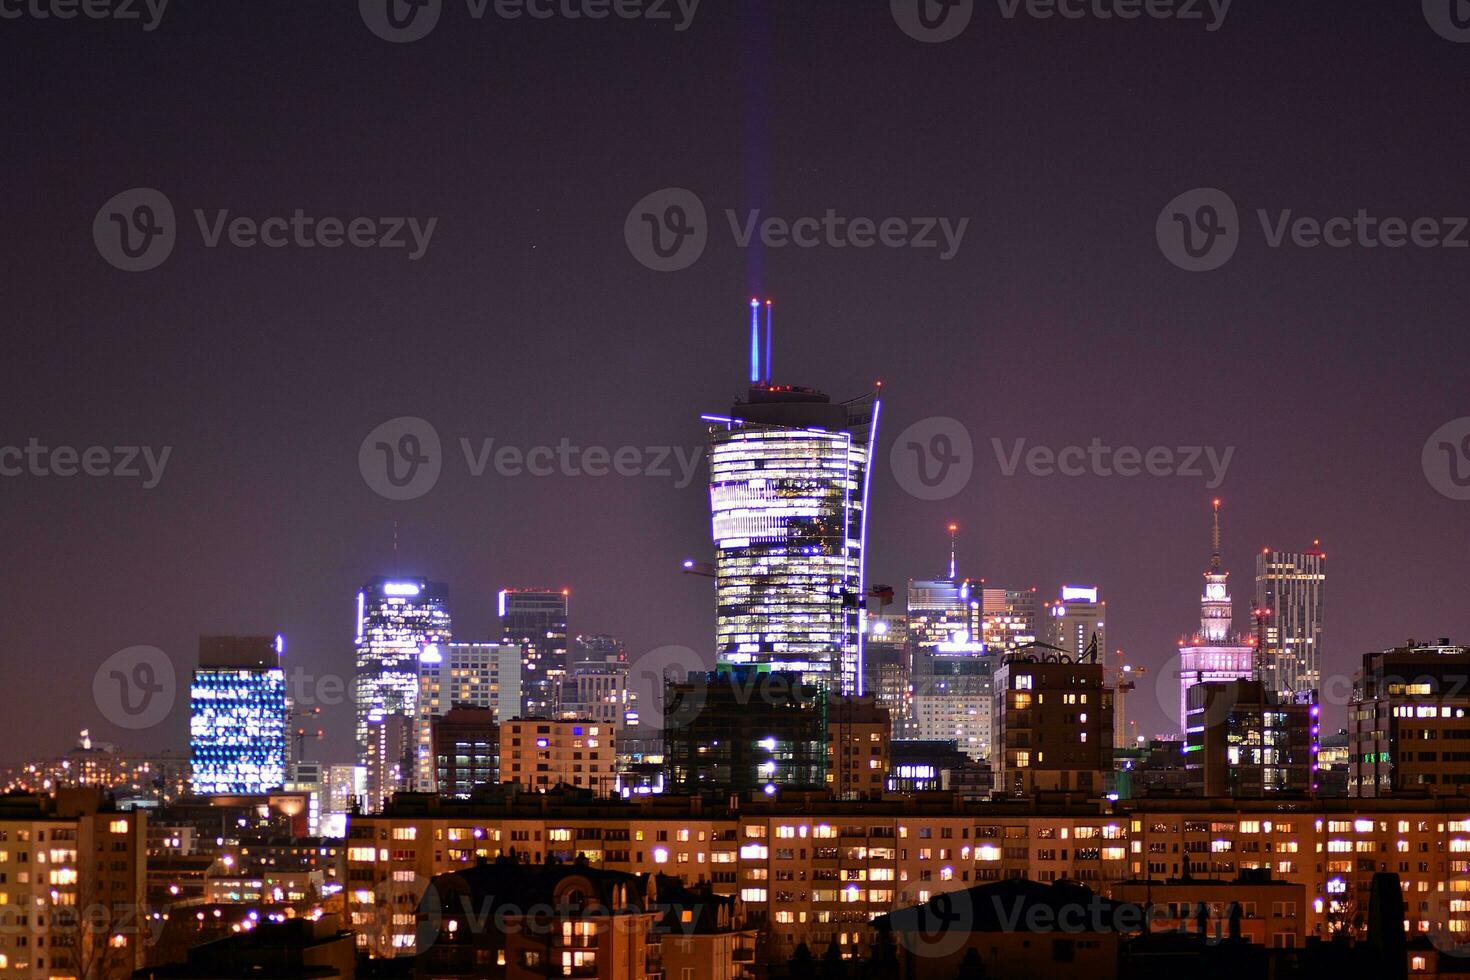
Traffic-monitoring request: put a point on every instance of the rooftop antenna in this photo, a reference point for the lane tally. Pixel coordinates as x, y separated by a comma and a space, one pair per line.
953, 530
755, 341
768, 341
1215, 540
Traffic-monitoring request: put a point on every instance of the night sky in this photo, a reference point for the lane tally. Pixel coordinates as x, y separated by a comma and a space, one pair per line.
529, 321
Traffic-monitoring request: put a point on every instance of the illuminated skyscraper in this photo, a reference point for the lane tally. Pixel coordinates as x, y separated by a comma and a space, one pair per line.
788, 490
462, 675
1289, 589
1073, 620
396, 619
1216, 652
536, 621
237, 716
1008, 618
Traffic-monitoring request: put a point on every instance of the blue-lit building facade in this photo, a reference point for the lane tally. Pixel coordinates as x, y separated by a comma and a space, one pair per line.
396, 619
788, 487
237, 716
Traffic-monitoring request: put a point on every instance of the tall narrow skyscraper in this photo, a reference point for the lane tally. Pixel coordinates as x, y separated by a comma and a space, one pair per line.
1289, 587
237, 716
396, 619
1216, 652
462, 675
1075, 618
536, 621
788, 491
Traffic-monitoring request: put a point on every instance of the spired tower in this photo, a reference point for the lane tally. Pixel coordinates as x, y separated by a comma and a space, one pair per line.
788, 499
1216, 652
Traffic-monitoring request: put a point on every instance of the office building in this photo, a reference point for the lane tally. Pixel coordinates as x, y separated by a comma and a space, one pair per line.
788, 485
536, 621
237, 716
1243, 741
952, 694
742, 730
451, 675
1008, 618
1077, 621
1409, 723
540, 754
391, 759
1289, 588
1052, 727
466, 750
595, 686
397, 618
1216, 652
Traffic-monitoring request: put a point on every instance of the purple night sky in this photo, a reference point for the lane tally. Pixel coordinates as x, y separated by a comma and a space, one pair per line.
528, 321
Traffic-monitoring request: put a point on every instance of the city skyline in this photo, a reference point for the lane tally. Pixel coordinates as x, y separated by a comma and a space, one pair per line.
528, 322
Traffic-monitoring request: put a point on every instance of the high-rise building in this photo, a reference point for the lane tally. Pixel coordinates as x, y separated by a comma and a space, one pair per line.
950, 673
886, 666
1053, 725
1008, 618
470, 675
390, 760
1075, 619
858, 747
237, 716
788, 488
1409, 723
465, 743
1216, 652
595, 687
396, 619
536, 621
1243, 741
1289, 587
742, 730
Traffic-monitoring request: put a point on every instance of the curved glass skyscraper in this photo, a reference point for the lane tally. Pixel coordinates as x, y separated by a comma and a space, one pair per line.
788, 494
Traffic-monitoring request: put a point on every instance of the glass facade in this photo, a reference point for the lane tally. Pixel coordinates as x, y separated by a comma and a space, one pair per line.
237, 717
1289, 586
788, 483
396, 619
536, 621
